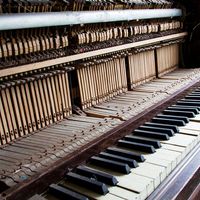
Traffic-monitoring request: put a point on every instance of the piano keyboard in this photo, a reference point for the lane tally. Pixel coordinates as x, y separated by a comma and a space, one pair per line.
68, 86
33, 152
139, 162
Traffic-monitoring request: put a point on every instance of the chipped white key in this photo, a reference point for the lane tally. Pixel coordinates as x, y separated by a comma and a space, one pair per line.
157, 173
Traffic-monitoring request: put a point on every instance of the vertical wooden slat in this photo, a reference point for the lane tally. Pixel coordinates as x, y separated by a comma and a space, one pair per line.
64, 106
68, 93
35, 105
39, 103
7, 114
65, 93
21, 108
11, 108
4, 122
51, 99
30, 105
58, 95
54, 97
47, 99
43, 100
26, 107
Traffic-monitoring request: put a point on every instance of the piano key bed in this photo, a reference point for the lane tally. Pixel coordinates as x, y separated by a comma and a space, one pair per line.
139, 162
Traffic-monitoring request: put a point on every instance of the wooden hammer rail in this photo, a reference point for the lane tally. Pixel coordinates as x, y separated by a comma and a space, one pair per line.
48, 63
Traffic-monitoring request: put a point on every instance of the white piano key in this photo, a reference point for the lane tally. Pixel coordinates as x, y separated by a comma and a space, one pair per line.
192, 125
160, 162
109, 196
171, 147
174, 156
192, 128
172, 160
132, 182
137, 183
157, 173
115, 193
196, 118
126, 194
182, 140
186, 131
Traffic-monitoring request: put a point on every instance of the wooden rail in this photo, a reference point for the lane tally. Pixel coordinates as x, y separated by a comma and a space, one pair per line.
48, 63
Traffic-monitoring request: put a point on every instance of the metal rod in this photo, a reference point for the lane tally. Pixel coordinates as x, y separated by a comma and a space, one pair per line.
36, 20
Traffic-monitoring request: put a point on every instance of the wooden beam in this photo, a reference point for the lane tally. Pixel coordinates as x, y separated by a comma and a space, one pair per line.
48, 63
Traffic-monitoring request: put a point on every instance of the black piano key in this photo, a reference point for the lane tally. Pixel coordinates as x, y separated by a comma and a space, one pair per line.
110, 164
193, 97
88, 183
149, 134
172, 127
136, 146
64, 193
179, 113
185, 106
188, 103
157, 130
125, 153
179, 108
168, 121
181, 118
128, 161
171, 117
154, 143
190, 100
98, 175
195, 93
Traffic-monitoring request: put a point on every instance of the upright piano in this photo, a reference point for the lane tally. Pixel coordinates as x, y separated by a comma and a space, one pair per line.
99, 99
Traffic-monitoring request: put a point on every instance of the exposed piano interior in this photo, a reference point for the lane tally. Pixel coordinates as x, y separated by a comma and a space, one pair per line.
99, 99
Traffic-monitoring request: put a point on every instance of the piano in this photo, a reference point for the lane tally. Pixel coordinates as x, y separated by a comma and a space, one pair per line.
99, 100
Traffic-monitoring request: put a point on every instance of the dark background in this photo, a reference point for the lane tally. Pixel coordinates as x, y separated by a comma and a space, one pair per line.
191, 49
